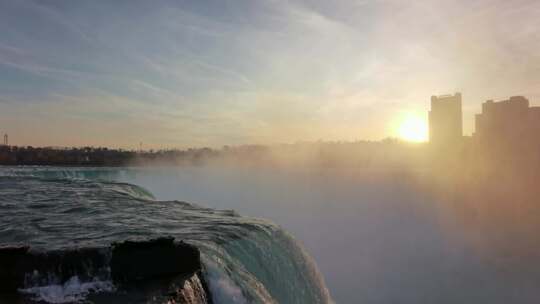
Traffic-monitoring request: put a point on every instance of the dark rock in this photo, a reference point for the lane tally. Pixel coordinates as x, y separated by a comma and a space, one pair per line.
19, 266
151, 259
10, 263
123, 262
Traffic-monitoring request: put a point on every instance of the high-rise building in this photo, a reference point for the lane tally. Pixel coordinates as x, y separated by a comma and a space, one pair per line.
445, 119
507, 122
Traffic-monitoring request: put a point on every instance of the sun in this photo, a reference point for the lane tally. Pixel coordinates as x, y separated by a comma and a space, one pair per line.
413, 128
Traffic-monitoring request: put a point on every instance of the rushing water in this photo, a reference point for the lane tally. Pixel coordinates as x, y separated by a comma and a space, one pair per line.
246, 260
377, 238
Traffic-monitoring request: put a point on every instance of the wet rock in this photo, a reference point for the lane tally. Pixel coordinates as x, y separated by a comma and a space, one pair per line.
123, 262
154, 258
11, 262
21, 267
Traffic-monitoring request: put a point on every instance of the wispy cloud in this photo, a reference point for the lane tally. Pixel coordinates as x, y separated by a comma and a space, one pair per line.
217, 72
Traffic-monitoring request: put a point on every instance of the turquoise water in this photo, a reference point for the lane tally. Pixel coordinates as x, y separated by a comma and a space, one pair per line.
375, 237
246, 260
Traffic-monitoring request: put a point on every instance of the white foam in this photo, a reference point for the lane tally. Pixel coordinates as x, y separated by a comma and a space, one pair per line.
71, 291
222, 288
229, 291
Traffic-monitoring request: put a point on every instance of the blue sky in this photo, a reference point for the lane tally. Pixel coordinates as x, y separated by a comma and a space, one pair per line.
208, 73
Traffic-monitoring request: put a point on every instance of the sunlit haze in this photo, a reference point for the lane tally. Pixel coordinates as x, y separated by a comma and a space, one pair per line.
413, 128
269, 151
175, 74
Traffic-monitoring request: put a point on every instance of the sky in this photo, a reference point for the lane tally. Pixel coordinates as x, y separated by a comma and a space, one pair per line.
176, 74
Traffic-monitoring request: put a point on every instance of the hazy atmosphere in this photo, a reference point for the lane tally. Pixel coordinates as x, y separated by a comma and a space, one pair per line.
173, 74
269, 152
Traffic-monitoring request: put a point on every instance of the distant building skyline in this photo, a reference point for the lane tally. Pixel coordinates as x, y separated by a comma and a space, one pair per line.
507, 124
445, 119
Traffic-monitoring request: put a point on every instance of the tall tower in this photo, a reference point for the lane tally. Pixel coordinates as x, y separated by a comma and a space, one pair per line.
445, 119
6, 139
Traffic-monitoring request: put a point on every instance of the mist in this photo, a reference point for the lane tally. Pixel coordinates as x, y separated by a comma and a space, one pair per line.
397, 229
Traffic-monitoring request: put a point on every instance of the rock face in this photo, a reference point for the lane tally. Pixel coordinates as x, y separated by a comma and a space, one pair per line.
154, 264
11, 262
156, 258
19, 266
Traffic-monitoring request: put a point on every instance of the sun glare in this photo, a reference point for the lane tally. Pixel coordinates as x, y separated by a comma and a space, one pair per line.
413, 128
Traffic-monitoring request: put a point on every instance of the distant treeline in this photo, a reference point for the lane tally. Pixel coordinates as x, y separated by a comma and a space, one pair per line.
389, 152
87, 156
465, 155
92, 156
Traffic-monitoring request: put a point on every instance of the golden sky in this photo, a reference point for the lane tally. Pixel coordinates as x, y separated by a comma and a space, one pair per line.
209, 73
